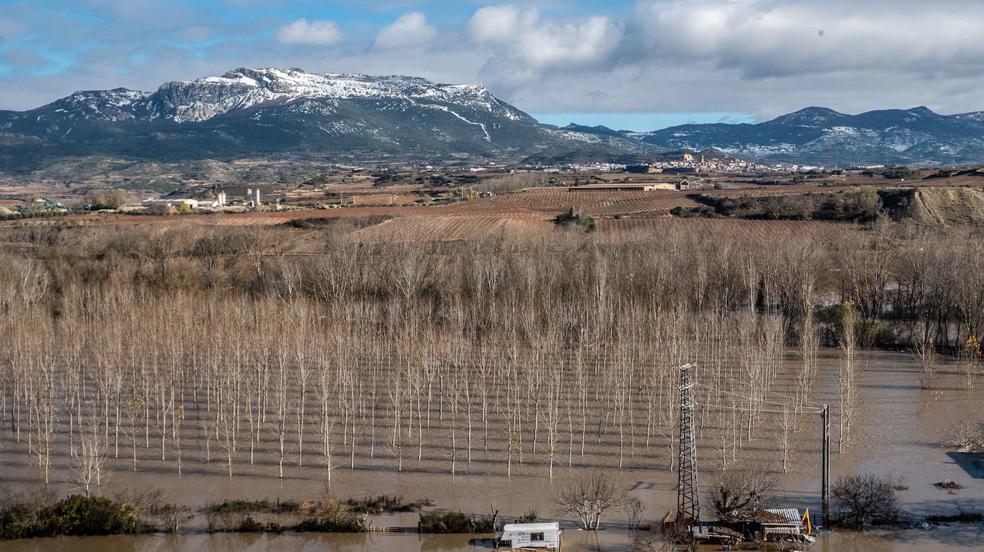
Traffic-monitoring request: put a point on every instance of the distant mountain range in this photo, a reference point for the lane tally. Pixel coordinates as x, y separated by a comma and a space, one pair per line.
822, 136
278, 113
275, 112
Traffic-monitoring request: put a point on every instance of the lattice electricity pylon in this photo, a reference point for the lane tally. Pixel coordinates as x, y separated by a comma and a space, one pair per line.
688, 501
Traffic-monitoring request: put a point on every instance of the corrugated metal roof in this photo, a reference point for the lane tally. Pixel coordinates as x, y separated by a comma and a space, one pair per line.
792, 515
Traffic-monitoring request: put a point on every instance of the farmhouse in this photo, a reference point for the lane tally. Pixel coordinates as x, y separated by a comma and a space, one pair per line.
523, 536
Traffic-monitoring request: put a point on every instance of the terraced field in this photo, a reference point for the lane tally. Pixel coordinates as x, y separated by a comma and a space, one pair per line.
452, 228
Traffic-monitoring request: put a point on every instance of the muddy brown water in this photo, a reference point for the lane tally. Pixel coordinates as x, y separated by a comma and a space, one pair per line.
901, 429
943, 539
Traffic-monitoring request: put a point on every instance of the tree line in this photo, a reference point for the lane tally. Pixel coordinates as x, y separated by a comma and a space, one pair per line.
190, 346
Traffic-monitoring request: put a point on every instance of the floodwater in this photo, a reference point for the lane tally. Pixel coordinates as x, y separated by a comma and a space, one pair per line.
957, 538
900, 432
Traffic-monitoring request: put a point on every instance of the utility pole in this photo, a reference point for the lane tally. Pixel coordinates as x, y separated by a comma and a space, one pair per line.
825, 464
688, 502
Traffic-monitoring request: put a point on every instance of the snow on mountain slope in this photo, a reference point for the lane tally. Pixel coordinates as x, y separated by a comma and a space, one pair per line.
819, 135
240, 89
257, 112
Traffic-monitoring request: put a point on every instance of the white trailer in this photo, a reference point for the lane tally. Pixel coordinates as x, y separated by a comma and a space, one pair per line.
530, 536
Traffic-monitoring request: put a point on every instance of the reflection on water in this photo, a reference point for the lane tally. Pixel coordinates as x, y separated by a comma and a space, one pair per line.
963, 538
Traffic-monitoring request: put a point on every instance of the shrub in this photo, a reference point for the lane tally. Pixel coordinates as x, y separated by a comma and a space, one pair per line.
454, 522
247, 506
575, 218
332, 524
381, 504
75, 515
738, 494
866, 500
250, 525
529, 517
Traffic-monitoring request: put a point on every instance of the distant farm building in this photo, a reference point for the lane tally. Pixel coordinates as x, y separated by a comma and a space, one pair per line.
624, 187
526, 536
176, 203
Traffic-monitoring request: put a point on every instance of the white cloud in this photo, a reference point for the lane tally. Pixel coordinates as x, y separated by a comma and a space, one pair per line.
523, 42
314, 33
499, 24
762, 56
408, 31
768, 38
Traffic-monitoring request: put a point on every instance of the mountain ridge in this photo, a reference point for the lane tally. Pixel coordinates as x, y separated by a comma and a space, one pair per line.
270, 111
819, 135
274, 112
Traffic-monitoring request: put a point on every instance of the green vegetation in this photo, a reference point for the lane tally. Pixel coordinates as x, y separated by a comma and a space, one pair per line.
383, 504
900, 173
454, 522
863, 205
97, 200
250, 506
332, 524
257, 516
575, 218
75, 515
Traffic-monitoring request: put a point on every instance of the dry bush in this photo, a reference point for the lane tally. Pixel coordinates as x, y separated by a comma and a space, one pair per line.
737, 494
866, 500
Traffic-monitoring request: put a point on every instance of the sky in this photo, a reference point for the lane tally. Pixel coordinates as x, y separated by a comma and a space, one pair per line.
626, 64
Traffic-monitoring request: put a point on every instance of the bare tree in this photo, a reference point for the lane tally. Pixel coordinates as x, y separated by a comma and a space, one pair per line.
589, 497
739, 493
847, 384
865, 500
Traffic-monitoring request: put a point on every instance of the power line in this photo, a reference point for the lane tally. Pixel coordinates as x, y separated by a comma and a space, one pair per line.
761, 401
757, 411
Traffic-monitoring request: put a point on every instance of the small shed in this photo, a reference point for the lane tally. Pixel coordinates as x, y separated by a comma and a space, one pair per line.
782, 524
530, 536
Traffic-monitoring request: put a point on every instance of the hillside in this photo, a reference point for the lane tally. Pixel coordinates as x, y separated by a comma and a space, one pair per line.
266, 112
823, 136
944, 206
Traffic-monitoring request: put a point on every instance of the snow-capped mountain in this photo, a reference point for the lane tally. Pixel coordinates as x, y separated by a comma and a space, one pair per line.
250, 112
819, 135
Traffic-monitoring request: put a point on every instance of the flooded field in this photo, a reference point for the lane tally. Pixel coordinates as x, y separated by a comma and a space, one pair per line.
902, 433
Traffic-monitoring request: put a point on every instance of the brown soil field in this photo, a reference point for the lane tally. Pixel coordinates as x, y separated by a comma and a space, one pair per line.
453, 228
398, 201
